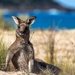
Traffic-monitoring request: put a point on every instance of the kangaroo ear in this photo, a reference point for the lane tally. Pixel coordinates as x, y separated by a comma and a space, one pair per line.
16, 20
31, 20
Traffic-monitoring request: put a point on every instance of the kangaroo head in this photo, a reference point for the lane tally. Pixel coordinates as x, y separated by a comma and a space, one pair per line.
23, 27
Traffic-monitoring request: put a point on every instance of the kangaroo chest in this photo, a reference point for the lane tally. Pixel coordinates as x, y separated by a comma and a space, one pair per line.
23, 55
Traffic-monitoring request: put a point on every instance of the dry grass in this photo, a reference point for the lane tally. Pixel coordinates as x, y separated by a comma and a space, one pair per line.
64, 47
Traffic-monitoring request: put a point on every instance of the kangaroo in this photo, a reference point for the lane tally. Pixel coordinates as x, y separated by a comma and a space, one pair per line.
21, 51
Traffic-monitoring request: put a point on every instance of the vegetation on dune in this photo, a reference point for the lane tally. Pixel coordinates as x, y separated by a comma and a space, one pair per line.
32, 4
25, 2
4, 25
3, 52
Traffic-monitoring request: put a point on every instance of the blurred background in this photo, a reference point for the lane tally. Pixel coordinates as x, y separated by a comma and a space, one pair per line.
60, 13
54, 30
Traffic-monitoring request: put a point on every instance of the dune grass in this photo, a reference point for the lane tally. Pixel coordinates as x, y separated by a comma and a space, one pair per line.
67, 67
3, 51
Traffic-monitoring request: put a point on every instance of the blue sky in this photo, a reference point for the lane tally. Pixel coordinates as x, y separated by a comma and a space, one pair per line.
67, 3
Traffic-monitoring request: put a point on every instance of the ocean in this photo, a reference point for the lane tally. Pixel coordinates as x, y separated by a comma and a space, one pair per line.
45, 19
